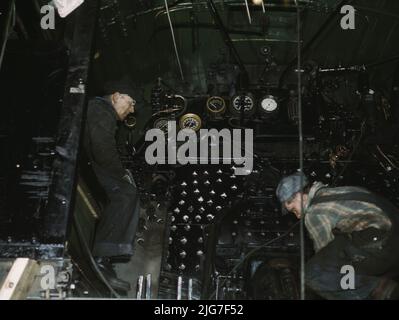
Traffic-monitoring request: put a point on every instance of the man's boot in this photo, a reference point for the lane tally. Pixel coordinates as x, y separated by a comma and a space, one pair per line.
109, 274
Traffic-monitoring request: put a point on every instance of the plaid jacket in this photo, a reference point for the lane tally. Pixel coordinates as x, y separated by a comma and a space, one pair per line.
345, 215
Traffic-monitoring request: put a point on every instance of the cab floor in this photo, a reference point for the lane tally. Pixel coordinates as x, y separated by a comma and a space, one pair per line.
147, 258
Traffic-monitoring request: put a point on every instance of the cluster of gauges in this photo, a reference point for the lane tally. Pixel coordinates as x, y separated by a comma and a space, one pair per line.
187, 121
238, 105
244, 104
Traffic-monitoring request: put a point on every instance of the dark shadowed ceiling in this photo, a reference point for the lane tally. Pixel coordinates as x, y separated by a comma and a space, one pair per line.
136, 36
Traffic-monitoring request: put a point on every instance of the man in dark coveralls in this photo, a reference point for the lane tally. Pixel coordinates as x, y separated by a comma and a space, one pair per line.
117, 226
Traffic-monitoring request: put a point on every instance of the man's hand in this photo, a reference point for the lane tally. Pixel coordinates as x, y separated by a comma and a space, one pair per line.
129, 177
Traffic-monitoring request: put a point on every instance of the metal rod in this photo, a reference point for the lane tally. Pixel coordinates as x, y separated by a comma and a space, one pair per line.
299, 74
140, 287
189, 6
148, 287
217, 288
190, 289
174, 40
6, 29
179, 287
263, 7
248, 12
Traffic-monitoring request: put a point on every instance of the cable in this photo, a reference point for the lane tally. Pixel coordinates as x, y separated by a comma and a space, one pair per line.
250, 253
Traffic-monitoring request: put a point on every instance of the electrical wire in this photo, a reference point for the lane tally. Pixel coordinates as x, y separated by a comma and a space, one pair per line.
250, 253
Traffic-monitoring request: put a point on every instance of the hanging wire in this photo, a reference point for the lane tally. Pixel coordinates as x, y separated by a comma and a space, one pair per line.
299, 73
174, 40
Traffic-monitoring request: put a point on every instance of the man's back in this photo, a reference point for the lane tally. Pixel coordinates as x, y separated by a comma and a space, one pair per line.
99, 140
346, 216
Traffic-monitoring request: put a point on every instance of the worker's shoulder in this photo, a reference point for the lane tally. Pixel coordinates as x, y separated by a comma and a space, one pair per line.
342, 190
98, 108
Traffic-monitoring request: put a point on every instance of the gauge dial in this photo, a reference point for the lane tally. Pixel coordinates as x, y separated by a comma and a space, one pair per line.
243, 101
130, 121
179, 103
162, 124
216, 104
269, 104
190, 121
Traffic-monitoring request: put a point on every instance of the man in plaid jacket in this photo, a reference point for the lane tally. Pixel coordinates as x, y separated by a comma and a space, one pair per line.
349, 226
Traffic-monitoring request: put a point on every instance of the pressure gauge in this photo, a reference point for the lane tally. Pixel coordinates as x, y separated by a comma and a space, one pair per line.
244, 102
269, 104
180, 104
216, 105
190, 121
162, 124
130, 121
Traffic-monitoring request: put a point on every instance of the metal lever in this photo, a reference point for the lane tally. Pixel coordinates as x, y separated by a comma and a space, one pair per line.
179, 287
140, 283
190, 289
248, 13
174, 39
148, 287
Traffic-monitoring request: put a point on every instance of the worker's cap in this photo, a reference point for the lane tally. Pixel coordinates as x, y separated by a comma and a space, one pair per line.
125, 86
289, 186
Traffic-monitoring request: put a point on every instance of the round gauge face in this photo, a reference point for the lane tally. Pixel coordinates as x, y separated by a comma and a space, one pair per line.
243, 101
130, 121
162, 124
179, 103
216, 104
269, 104
190, 121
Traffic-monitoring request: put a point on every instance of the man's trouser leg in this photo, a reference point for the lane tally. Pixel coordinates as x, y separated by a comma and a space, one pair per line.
323, 272
117, 227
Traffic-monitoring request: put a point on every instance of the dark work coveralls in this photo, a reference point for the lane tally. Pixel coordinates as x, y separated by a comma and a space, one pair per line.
372, 253
116, 229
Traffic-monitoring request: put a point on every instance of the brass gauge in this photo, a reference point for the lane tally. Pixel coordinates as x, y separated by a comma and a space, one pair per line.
216, 105
190, 121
